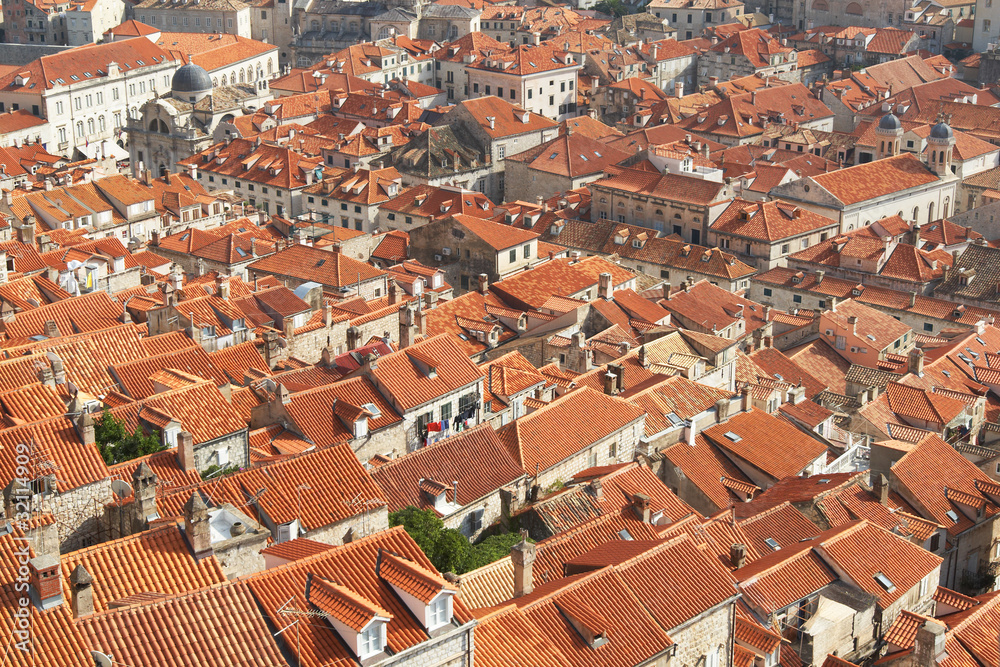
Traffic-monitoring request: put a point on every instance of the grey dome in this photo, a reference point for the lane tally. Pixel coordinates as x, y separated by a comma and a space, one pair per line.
191, 78
889, 122
941, 131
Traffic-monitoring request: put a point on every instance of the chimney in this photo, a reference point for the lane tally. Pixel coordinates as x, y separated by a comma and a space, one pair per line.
738, 555
915, 362
913, 299
610, 383
618, 371
745, 399
144, 488
643, 361
722, 409
196, 526
44, 375
880, 487
853, 321
679, 89
58, 370
640, 505
45, 582
484, 283
929, 644
82, 589
605, 290
51, 329
819, 276
85, 428
222, 286
185, 451
353, 338
597, 489
522, 555
393, 293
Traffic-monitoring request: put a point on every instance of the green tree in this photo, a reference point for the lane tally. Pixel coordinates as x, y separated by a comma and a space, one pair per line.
613, 8
451, 551
490, 550
117, 444
422, 525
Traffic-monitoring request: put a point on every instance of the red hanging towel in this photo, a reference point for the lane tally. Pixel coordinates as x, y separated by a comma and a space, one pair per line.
433, 426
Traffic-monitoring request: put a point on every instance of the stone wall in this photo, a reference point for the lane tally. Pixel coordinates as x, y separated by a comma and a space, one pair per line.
80, 514
624, 440
449, 647
352, 528
22, 54
206, 454
707, 632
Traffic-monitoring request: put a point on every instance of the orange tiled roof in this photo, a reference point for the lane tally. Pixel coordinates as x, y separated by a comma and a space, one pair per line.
354, 566
158, 560
757, 443
221, 626
538, 440
475, 459
410, 386
305, 263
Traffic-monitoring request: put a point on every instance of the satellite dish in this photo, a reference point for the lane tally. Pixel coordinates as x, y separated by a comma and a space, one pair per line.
121, 489
101, 659
74, 264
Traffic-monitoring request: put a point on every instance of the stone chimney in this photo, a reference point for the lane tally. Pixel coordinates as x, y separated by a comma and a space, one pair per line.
679, 89
640, 505
610, 384
222, 286
185, 451
484, 283
45, 582
522, 555
738, 555
853, 321
45, 376
597, 489
51, 329
144, 488
85, 428
915, 362
880, 487
643, 360
722, 409
746, 403
196, 526
605, 288
82, 589
353, 338
929, 644
58, 370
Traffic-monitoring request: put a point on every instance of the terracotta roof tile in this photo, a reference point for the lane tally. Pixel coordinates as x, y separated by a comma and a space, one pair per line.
541, 440
756, 437
354, 567
475, 459
221, 625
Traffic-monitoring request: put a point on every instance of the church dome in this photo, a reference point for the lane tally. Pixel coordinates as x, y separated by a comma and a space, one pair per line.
889, 122
191, 78
941, 131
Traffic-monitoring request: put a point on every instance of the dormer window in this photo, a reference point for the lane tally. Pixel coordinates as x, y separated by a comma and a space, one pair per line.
371, 640
439, 612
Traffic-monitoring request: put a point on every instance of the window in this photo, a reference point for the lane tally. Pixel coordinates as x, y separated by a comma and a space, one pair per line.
475, 524
612, 450
439, 608
446, 411
501, 148
785, 248
797, 298
513, 256
527, 251
422, 422
712, 657
370, 641
986, 25
768, 291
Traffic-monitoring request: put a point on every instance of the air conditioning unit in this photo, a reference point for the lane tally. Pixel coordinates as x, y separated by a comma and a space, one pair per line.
854, 349
445, 251
829, 332
437, 258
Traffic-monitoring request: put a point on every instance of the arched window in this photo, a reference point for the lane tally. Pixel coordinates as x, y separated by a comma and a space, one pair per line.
79, 128
659, 211
930, 212
604, 200
223, 80
270, 66
242, 79
947, 205
90, 126
101, 123
916, 213
855, 9
821, 6
384, 32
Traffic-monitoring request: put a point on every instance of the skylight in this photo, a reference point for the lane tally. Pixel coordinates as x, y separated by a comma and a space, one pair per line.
980, 341
870, 337
673, 419
732, 436
553, 156
952, 515
773, 543
884, 582
625, 535
372, 408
